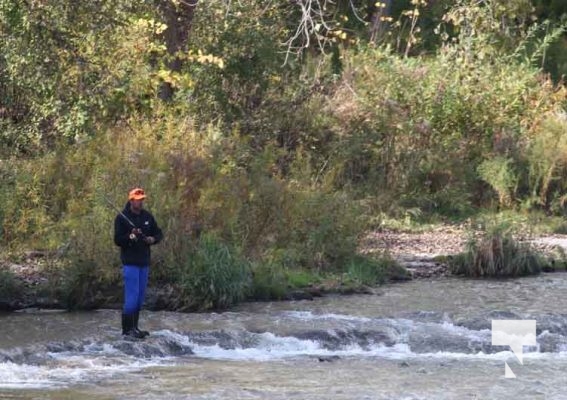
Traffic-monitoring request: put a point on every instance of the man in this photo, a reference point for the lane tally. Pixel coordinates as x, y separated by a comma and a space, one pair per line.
135, 230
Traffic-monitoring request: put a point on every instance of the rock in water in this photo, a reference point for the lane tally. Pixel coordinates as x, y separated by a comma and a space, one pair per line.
328, 358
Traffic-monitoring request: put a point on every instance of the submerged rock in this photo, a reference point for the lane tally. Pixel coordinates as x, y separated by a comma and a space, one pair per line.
485, 321
336, 339
299, 295
328, 358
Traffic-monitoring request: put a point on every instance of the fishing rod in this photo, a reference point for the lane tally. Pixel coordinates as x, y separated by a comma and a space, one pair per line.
138, 230
120, 212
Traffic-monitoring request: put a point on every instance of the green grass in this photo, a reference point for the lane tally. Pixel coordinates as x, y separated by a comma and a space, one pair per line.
214, 275
299, 278
268, 283
372, 271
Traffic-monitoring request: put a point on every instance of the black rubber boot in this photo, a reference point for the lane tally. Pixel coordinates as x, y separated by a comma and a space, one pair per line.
136, 317
128, 327
126, 324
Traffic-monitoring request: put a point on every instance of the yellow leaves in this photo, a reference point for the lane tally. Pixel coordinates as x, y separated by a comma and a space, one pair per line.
175, 79
202, 58
339, 34
142, 36
156, 27
207, 59
166, 76
157, 48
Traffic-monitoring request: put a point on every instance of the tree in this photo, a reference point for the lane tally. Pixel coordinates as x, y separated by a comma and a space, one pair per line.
178, 17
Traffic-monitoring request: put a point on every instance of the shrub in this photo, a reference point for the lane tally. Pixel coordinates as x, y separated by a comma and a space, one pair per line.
214, 275
497, 254
371, 271
268, 283
498, 173
267, 214
322, 229
89, 273
10, 289
80, 285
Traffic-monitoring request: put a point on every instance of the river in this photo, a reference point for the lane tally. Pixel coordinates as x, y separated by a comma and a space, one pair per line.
424, 339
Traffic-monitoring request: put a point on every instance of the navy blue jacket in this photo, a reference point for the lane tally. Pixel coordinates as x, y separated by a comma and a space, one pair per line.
135, 252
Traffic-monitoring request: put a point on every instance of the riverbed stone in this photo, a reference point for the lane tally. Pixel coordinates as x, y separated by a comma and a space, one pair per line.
485, 321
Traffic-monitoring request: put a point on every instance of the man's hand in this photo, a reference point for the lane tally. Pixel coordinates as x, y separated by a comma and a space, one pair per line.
134, 233
149, 240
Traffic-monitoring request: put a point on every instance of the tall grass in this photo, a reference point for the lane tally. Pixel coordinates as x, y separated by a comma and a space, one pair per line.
497, 254
214, 275
372, 271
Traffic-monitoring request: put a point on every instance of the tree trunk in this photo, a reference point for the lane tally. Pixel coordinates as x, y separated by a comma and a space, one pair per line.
178, 16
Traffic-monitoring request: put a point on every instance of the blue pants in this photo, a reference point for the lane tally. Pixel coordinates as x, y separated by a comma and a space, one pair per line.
135, 282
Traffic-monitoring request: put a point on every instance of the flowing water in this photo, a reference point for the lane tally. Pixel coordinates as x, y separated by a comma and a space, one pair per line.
417, 340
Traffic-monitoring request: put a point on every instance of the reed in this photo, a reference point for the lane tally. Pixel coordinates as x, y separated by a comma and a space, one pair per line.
497, 254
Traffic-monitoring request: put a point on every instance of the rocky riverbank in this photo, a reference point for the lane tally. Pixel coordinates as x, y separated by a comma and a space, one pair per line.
423, 254
426, 254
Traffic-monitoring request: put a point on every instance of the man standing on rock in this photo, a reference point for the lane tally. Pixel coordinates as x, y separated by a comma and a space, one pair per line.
135, 230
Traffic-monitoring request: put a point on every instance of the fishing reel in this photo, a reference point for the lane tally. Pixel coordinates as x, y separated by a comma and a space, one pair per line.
136, 234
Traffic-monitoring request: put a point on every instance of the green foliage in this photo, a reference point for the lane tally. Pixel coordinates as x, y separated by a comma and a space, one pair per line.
520, 222
371, 271
81, 285
499, 174
286, 159
269, 215
214, 276
547, 164
248, 38
90, 273
57, 79
497, 254
268, 282
301, 278
10, 288
407, 126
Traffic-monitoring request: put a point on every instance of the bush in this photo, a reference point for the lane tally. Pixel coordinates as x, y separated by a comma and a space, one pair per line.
322, 229
80, 285
268, 283
10, 289
266, 214
371, 271
222, 184
214, 275
497, 254
88, 275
